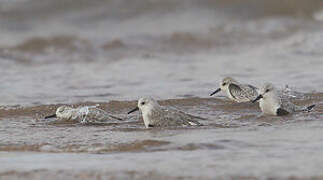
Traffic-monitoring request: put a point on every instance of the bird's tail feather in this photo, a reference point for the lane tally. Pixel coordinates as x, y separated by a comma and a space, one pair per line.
304, 108
309, 108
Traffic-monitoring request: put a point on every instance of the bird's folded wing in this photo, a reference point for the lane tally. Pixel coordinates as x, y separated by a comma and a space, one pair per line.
235, 91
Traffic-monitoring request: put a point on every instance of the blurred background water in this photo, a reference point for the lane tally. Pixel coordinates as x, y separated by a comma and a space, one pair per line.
166, 48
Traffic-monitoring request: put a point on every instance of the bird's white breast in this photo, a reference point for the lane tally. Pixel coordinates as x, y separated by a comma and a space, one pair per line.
268, 106
227, 91
146, 118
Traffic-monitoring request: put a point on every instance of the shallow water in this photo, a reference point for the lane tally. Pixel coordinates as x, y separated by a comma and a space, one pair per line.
234, 142
113, 52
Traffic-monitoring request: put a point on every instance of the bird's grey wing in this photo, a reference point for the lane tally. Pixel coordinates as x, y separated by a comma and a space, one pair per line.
235, 91
174, 110
176, 117
238, 93
97, 115
166, 117
250, 91
286, 104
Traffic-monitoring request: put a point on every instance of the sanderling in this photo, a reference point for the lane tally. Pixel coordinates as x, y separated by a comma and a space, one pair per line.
273, 102
155, 115
236, 91
85, 114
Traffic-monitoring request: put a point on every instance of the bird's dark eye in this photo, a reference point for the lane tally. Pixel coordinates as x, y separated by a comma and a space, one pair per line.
142, 103
267, 90
224, 84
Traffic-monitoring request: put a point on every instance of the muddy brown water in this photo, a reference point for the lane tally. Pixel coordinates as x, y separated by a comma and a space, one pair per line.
110, 53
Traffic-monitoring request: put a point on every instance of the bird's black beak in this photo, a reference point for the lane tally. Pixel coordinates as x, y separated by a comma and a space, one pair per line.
136, 109
259, 97
51, 116
216, 91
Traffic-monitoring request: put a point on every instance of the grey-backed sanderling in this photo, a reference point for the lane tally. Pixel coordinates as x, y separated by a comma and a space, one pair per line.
273, 102
85, 114
155, 115
236, 91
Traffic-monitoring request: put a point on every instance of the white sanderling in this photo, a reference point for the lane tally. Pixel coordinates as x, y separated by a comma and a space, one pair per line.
236, 91
85, 114
155, 115
273, 102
